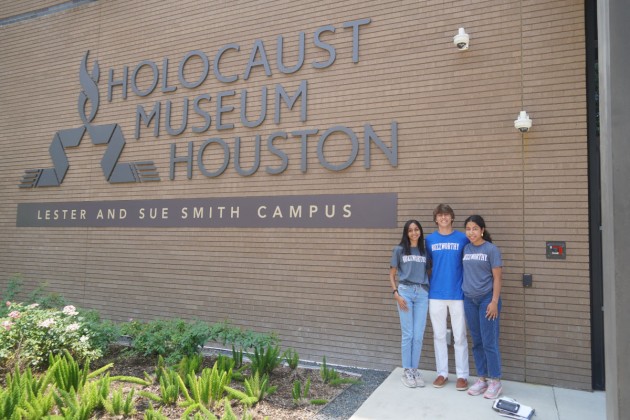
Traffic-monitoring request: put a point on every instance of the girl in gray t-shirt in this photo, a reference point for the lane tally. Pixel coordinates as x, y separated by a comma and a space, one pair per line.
482, 305
409, 263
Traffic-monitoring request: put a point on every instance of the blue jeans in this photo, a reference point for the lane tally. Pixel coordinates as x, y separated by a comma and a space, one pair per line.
485, 336
412, 323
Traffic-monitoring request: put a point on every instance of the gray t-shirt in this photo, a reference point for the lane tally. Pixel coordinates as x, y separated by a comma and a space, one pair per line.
478, 262
410, 268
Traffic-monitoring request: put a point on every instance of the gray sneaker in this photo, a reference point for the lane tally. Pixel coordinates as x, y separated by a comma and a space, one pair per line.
417, 375
407, 379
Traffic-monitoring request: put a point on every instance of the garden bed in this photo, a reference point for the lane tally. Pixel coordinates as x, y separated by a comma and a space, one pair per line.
279, 405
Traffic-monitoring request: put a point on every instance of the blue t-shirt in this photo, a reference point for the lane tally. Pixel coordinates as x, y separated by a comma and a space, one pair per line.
410, 268
478, 264
445, 252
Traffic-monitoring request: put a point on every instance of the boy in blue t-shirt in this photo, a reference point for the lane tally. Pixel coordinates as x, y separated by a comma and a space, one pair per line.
445, 249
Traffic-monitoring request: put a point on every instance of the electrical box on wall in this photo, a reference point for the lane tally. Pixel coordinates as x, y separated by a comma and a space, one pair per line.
556, 250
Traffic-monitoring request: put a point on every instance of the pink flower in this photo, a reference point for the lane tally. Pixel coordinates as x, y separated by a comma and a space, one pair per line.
70, 310
46, 323
8, 303
72, 327
14, 314
6, 325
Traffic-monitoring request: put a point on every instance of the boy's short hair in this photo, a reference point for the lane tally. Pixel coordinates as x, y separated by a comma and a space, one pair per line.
443, 209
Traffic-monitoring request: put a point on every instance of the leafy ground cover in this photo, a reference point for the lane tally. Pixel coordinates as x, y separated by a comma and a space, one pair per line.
280, 405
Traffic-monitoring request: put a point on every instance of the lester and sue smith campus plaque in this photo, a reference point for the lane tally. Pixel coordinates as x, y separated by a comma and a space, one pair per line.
297, 211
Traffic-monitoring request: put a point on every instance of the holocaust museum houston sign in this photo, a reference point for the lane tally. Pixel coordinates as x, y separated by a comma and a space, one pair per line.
198, 113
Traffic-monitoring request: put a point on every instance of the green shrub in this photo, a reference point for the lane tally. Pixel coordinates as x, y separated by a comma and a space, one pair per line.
172, 339
102, 332
177, 338
29, 334
223, 332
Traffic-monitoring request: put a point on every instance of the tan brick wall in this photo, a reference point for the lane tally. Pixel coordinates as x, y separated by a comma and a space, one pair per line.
325, 291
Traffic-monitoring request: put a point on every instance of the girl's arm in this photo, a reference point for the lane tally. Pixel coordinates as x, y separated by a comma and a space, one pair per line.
492, 311
392, 280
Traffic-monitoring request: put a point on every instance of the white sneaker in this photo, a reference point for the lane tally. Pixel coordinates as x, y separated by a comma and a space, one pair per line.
417, 375
408, 379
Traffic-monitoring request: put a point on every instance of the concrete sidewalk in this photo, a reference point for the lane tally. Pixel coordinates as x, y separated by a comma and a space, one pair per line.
392, 400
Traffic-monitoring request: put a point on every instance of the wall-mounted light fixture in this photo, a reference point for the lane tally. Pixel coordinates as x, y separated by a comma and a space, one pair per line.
461, 40
523, 123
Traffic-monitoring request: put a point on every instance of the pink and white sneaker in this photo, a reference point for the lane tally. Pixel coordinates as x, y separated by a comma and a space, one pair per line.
494, 389
478, 388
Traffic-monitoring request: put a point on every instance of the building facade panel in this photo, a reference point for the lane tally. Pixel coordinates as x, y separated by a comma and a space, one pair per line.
405, 112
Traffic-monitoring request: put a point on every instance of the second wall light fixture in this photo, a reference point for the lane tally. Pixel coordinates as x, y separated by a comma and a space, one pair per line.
461, 40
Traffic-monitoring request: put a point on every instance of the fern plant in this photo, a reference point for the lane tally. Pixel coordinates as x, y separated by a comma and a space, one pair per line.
10, 401
298, 394
259, 387
319, 401
161, 367
327, 374
151, 414
94, 393
26, 396
228, 413
118, 404
190, 365
237, 355
169, 388
292, 358
332, 377
225, 363
265, 361
237, 365
256, 389
72, 407
206, 390
249, 416
66, 373
133, 379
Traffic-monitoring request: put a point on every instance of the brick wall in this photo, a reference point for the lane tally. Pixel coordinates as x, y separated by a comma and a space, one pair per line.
324, 291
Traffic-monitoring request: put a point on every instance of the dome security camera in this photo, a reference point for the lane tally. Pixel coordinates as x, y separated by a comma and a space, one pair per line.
461, 40
523, 123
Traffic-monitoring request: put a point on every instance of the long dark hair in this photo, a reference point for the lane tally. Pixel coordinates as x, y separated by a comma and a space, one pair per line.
478, 220
406, 244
